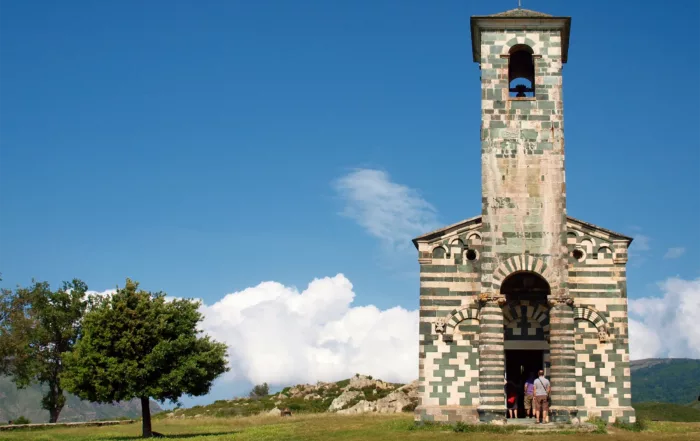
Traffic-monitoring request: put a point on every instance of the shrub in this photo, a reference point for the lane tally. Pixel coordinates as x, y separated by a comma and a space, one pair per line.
259, 391
352, 402
601, 425
341, 384
637, 426
21, 420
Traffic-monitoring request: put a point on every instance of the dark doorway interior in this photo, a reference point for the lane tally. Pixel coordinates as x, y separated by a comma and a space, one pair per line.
519, 363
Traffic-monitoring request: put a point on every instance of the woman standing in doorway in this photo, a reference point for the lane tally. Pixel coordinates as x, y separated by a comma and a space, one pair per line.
512, 399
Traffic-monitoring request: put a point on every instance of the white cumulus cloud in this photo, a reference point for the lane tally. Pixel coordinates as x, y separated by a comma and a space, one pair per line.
389, 211
674, 253
105, 293
279, 335
667, 326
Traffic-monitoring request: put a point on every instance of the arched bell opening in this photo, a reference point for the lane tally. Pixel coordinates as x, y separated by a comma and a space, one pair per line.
521, 72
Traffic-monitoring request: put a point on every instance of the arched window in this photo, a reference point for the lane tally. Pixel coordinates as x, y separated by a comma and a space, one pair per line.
521, 72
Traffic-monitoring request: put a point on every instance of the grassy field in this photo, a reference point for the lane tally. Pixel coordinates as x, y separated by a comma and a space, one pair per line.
322, 427
667, 412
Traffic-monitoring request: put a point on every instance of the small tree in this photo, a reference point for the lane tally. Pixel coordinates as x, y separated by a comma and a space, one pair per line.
260, 391
135, 344
37, 327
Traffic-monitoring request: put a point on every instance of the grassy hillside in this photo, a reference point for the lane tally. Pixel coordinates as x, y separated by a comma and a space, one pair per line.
667, 412
304, 398
674, 380
27, 403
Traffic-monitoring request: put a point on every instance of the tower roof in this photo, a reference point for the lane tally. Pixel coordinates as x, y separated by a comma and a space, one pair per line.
519, 12
519, 19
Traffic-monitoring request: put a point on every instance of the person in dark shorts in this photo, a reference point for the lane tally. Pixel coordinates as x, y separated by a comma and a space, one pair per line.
542, 391
529, 392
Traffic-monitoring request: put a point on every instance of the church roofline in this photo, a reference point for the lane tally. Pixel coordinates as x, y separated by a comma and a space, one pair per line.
596, 227
440, 231
519, 19
477, 220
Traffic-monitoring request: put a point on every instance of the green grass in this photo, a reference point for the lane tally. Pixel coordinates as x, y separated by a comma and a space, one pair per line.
329, 427
667, 412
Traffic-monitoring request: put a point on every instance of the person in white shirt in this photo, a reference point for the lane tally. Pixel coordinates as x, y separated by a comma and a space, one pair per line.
542, 391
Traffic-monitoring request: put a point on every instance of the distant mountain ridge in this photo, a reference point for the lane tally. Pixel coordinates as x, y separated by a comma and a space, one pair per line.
666, 380
27, 402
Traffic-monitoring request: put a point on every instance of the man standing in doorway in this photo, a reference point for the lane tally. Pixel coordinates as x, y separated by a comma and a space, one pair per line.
542, 391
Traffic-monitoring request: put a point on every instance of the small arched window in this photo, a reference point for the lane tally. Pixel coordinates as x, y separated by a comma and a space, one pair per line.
521, 72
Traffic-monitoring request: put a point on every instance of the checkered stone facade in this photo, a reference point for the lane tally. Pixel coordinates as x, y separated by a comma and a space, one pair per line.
465, 318
526, 320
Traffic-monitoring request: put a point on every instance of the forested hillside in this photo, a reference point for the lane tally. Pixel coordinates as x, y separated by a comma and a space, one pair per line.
669, 380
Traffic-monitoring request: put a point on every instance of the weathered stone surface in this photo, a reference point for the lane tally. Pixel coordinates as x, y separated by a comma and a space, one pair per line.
393, 403
275, 412
361, 407
343, 399
410, 389
359, 382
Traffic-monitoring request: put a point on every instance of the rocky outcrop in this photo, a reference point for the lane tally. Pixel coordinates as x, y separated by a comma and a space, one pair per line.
343, 400
410, 389
361, 407
359, 382
359, 394
392, 403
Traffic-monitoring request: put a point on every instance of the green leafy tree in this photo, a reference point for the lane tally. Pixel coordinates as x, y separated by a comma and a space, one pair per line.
260, 391
135, 344
37, 327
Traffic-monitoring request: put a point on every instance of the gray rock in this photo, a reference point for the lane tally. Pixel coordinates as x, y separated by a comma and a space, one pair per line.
343, 399
361, 407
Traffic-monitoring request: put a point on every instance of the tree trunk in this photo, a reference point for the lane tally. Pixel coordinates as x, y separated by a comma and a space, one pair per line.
53, 415
53, 401
146, 417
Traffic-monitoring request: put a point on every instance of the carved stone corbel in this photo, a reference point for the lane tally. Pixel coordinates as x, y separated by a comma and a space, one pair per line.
486, 297
604, 334
440, 327
562, 300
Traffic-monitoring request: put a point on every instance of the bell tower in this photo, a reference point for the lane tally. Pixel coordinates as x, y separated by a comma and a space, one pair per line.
521, 55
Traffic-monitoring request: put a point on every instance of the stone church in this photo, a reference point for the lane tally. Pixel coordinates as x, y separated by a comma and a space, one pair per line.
523, 286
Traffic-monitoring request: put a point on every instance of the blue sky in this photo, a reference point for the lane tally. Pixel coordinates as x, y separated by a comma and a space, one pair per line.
204, 147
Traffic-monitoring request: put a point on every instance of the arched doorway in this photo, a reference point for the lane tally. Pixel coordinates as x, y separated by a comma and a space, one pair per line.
525, 328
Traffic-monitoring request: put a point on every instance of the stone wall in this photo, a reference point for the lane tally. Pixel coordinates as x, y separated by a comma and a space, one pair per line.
597, 281
449, 337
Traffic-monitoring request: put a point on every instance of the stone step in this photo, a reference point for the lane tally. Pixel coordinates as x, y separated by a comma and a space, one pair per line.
528, 426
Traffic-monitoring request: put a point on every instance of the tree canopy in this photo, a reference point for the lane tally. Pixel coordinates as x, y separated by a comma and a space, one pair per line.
137, 344
37, 327
260, 391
